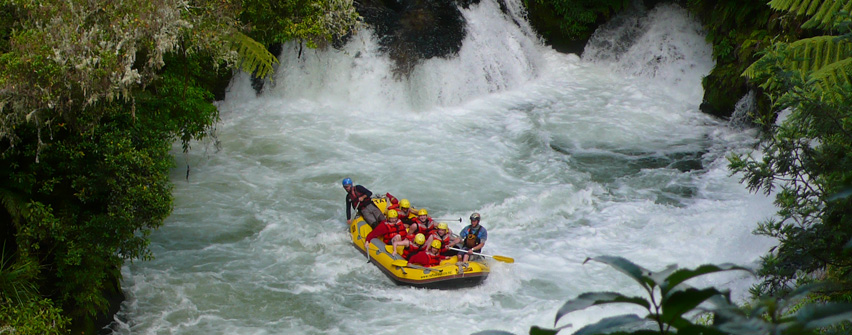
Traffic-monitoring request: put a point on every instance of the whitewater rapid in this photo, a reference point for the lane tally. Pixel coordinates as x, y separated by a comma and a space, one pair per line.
565, 157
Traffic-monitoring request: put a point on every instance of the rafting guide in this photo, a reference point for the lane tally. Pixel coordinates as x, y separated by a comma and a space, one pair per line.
411, 248
358, 197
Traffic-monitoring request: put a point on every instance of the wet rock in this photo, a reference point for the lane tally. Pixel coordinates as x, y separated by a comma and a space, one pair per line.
411, 31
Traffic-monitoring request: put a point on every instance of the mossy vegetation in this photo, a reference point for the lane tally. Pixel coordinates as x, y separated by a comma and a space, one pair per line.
92, 97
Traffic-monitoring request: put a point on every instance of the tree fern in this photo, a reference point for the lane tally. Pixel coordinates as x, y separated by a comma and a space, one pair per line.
824, 59
254, 57
822, 12
812, 54
833, 76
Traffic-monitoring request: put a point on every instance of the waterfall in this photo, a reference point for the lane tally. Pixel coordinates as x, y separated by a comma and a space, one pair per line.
564, 157
742, 116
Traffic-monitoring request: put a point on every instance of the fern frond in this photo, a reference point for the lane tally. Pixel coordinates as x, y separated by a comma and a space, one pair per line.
823, 13
254, 57
832, 76
812, 54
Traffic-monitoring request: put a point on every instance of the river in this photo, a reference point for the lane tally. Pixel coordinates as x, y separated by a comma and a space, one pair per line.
566, 157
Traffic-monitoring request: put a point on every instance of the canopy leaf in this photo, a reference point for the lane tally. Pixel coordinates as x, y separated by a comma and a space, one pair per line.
639, 274
255, 58
597, 298
611, 324
832, 76
822, 12
682, 275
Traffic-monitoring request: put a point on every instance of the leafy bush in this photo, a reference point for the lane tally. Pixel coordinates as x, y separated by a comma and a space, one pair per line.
805, 158
672, 305
574, 19
34, 317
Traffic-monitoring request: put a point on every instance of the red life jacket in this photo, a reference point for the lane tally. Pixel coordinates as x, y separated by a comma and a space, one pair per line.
427, 227
412, 249
393, 230
445, 241
434, 259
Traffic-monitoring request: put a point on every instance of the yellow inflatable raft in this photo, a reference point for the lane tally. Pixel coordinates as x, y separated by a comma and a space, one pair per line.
449, 274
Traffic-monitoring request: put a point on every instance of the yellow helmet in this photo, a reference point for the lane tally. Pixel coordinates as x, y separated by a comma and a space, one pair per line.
419, 239
436, 244
392, 214
423, 212
404, 203
442, 225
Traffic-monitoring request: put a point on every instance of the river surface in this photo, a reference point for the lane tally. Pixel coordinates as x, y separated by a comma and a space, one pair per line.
565, 156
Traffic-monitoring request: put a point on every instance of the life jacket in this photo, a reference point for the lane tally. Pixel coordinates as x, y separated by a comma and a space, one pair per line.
472, 238
353, 198
445, 241
412, 249
426, 227
434, 259
393, 230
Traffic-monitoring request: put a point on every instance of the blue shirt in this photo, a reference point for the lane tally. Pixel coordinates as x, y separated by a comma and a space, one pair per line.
481, 233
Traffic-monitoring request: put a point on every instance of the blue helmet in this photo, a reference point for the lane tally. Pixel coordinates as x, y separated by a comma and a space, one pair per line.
347, 181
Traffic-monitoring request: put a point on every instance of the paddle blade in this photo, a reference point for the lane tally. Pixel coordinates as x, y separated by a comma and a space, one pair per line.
504, 259
400, 263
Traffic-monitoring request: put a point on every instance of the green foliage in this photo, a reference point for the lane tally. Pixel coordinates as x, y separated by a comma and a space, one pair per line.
17, 278
315, 21
672, 306
178, 103
255, 58
94, 197
821, 12
577, 18
796, 314
827, 60
92, 97
805, 159
65, 58
33, 317
668, 301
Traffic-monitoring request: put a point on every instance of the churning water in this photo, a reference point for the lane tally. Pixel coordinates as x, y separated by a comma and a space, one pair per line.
565, 157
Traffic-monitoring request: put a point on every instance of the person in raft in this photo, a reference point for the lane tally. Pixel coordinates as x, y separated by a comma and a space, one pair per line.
391, 231
358, 197
406, 213
412, 246
445, 235
427, 225
429, 257
417, 227
473, 237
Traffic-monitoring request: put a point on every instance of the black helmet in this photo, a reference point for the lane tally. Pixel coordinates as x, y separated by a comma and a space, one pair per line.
474, 216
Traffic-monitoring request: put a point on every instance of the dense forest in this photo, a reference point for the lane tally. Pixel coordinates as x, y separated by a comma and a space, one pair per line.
94, 94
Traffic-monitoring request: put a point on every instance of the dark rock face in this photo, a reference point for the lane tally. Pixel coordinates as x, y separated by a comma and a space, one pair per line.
410, 31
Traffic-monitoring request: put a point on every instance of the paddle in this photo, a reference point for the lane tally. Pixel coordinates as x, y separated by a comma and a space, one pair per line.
368, 250
459, 219
503, 259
